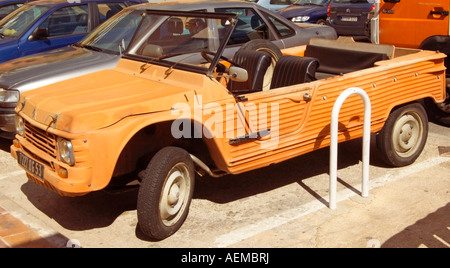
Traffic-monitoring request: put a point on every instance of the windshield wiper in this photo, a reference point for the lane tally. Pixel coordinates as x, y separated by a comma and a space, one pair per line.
170, 69
89, 47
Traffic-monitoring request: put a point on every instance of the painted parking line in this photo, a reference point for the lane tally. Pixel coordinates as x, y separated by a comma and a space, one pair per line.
251, 230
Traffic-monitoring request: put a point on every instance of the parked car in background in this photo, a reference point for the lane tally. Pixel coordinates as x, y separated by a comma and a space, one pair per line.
273, 5
101, 49
8, 6
309, 11
44, 25
349, 17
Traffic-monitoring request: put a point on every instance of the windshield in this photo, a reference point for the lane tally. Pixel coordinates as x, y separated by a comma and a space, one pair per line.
20, 20
6, 9
312, 2
115, 35
179, 40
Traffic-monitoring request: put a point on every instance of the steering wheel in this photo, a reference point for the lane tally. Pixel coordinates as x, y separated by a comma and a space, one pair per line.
209, 56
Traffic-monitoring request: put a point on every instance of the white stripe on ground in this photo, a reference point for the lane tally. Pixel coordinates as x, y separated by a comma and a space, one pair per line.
251, 230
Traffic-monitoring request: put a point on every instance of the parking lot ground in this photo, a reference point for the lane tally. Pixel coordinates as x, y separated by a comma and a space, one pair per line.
281, 206
14, 233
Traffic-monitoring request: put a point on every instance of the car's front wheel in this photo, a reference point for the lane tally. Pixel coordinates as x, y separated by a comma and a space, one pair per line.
165, 193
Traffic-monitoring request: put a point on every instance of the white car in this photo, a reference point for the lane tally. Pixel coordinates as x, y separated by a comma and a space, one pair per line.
273, 5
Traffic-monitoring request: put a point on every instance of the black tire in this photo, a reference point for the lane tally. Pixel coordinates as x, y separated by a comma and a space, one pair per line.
322, 22
271, 49
165, 193
263, 45
404, 135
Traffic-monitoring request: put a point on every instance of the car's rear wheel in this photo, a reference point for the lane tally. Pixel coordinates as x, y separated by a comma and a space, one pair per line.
165, 193
404, 135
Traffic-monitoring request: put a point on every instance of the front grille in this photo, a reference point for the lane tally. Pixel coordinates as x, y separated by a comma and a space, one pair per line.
44, 141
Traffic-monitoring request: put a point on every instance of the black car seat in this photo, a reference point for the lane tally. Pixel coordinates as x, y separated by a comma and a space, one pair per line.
292, 70
256, 64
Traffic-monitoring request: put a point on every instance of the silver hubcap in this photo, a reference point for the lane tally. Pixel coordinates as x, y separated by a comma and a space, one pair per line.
175, 194
407, 134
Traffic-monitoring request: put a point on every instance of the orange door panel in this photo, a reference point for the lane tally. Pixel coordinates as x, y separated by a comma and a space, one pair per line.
409, 22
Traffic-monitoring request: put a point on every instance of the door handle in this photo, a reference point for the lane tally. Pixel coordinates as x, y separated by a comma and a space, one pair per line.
439, 12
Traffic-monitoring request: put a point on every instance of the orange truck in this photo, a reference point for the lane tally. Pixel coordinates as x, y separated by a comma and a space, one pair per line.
415, 24
174, 107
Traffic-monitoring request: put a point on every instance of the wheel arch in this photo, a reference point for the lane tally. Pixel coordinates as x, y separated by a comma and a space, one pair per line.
143, 143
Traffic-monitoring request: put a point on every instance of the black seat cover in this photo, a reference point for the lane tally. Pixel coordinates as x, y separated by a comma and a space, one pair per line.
291, 70
256, 64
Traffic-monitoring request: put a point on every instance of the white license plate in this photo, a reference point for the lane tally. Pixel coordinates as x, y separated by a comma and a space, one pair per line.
350, 19
35, 168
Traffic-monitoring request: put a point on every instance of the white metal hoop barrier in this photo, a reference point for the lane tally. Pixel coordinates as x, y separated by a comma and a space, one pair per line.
334, 142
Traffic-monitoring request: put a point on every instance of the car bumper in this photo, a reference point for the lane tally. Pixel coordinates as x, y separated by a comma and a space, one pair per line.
352, 30
76, 182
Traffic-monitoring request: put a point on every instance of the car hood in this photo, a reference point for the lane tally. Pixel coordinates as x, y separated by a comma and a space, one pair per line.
53, 66
294, 11
101, 99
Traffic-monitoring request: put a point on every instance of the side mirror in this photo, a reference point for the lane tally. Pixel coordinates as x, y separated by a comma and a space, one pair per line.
238, 74
39, 34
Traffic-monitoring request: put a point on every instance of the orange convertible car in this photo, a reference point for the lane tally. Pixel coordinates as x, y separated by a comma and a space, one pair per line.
175, 106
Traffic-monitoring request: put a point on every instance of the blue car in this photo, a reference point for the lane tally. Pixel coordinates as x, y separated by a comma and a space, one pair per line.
306, 11
44, 25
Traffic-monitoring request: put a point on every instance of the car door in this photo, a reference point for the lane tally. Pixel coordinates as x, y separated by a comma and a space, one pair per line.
267, 123
66, 25
408, 23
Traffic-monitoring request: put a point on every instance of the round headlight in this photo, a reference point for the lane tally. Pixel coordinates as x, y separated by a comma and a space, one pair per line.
65, 150
20, 126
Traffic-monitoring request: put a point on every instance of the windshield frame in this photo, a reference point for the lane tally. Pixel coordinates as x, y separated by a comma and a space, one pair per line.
15, 13
136, 41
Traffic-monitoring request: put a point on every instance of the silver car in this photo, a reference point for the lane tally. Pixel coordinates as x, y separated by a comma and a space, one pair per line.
102, 48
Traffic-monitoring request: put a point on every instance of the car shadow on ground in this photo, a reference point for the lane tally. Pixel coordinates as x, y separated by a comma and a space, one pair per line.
234, 187
5, 144
101, 209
